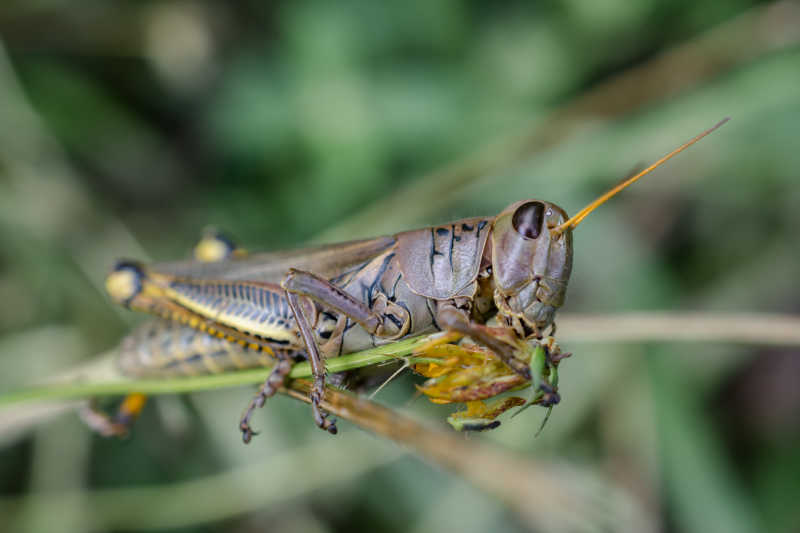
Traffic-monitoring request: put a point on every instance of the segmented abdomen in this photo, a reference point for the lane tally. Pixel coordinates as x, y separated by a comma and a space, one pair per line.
162, 348
255, 308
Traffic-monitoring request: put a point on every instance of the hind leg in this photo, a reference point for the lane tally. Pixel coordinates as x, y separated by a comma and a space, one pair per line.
274, 381
383, 319
118, 424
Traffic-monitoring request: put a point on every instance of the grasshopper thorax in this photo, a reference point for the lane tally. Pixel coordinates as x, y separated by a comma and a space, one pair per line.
531, 264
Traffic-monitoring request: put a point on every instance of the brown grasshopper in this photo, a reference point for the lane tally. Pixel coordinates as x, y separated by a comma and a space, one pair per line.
323, 302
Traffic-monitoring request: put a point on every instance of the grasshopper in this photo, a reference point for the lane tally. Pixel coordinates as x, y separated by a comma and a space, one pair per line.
250, 310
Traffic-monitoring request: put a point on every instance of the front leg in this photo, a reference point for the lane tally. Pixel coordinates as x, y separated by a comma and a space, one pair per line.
386, 320
451, 318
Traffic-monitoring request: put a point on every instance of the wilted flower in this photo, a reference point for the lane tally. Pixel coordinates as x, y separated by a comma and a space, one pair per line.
468, 373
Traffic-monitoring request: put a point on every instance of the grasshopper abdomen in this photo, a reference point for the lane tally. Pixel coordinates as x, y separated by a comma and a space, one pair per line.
166, 348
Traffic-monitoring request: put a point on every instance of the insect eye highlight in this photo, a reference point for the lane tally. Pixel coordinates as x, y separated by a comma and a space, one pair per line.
528, 218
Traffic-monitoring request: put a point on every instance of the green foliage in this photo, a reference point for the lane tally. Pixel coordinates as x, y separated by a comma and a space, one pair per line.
126, 127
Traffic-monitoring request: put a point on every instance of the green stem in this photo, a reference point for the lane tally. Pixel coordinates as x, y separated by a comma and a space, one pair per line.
119, 385
757, 328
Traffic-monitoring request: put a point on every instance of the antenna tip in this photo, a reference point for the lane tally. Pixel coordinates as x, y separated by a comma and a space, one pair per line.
721, 122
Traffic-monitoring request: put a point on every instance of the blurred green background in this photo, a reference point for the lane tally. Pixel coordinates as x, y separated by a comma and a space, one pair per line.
127, 127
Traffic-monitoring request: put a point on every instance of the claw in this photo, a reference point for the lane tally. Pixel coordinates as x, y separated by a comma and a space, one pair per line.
320, 415
332, 427
550, 399
267, 390
247, 433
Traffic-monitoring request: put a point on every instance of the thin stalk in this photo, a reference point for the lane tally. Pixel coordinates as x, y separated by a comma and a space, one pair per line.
549, 497
546, 496
758, 329
746, 328
77, 386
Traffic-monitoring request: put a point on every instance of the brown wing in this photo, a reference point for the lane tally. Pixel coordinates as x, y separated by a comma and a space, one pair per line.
327, 261
442, 262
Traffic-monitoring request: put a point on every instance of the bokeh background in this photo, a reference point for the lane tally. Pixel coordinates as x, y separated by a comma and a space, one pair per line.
127, 127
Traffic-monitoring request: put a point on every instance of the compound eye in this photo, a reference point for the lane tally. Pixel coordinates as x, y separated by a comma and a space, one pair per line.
528, 218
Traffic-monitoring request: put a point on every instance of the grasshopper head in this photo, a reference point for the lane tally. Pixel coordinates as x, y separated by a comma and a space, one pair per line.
532, 253
531, 264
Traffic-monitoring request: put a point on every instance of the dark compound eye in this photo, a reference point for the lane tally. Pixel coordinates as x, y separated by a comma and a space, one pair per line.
527, 219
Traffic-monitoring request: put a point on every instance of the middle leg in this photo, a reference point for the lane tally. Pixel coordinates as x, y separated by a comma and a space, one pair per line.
453, 319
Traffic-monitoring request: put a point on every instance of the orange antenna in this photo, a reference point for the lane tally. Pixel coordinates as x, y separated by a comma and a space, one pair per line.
578, 218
